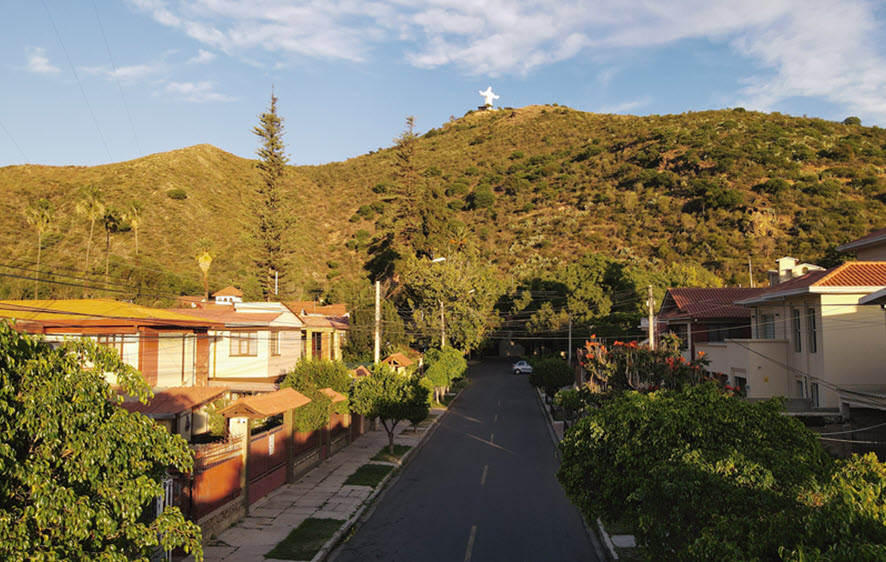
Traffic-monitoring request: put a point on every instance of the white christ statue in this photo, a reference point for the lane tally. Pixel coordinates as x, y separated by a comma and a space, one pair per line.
490, 97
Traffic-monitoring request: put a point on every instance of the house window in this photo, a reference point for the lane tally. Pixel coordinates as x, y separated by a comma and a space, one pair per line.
681, 331
716, 333
815, 397
799, 388
810, 322
766, 327
274, 343
742, 384
317, 345
244, 344
114, 341
798, 343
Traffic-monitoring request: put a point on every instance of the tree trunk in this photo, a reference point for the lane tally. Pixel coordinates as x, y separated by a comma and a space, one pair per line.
86, 269
37, 275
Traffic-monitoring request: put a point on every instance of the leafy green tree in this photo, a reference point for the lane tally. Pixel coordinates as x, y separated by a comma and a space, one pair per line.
442, 366
308, 376
852, 120
391, 397
702, 474
39, 215
92, 208
272, 217
78, 470
465, 290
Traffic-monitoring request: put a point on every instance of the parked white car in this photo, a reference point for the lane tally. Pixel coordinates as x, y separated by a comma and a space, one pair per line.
521, 367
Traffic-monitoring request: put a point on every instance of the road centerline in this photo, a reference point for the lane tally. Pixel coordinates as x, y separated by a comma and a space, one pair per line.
470, 548
483, 478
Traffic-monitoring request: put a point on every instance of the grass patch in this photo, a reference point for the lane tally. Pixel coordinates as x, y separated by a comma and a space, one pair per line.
306, 540
421, 425
385, 456
618, 528
369, 475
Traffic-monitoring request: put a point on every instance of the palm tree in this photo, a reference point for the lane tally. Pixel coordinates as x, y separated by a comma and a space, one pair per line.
40, 216
91, 207
133, 216
111, 222
204, 260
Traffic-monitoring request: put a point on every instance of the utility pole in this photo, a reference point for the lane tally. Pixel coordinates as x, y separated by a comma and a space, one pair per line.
442, 328
377, 347
569, 345
751, 272
651, 303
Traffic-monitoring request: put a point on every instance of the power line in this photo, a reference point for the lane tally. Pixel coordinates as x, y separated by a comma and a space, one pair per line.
15, 144
117, 79
77, 78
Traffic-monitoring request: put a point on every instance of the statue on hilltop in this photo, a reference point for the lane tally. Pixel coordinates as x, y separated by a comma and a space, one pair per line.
489, 96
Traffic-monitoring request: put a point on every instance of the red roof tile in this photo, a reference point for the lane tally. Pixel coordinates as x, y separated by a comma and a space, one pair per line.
397, 360
872, 238
312, 307
361, 371
706, 302
264, 405
856, 274
229, 291
230, 316
173, 401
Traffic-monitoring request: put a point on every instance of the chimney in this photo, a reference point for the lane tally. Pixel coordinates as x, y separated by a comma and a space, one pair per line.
785, 269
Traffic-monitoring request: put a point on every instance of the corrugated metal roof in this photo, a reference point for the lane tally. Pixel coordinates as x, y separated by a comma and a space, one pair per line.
78, 312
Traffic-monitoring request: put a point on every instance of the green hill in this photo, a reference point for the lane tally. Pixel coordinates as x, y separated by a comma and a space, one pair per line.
532, 187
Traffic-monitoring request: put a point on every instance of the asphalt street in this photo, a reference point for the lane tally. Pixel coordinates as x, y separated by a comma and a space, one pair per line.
482, 488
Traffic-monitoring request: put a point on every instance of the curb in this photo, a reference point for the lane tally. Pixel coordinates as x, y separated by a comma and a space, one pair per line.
609, 553
364, 512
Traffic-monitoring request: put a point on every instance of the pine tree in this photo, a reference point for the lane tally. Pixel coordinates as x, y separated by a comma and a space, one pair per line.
271, 218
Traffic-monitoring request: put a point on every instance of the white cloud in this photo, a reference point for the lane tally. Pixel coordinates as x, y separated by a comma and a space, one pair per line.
817, 48
38, 62
625, 107
196, 92
131, 73
201, 57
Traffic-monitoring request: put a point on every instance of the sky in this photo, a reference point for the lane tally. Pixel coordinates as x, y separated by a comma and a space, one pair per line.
90, 82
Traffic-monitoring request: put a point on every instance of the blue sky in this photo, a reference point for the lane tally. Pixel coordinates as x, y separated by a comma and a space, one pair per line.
89, 82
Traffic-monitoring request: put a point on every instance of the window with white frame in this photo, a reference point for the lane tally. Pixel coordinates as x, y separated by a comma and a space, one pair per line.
244, 344
114, 341
766, 327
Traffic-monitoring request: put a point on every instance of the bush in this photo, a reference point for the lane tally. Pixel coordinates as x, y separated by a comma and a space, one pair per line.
703, 475
551, 374
852, 121
482, 197
177, 193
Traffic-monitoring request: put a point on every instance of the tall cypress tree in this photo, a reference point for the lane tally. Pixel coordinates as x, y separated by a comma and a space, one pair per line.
269, 210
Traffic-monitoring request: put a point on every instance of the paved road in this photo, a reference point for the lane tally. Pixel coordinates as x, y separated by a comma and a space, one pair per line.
482, 488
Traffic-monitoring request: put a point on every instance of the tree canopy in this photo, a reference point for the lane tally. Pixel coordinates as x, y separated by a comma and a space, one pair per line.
79, 470
391, 397
308, 376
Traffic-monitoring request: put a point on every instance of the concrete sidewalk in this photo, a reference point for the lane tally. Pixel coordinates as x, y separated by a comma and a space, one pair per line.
320, 493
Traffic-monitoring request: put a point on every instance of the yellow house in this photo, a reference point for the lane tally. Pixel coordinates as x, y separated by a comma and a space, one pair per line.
810, 336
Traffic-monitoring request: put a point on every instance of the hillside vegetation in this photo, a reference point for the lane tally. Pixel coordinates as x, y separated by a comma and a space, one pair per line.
533, 188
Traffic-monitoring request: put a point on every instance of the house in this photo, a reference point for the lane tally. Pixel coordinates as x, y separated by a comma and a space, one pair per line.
170, 349
398, 362
811, 335
228, 295
254, 344
868, 248
702, 315
179, 409
325, 328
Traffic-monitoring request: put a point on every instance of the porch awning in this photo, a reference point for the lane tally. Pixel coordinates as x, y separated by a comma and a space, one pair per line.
336, 397
265, 405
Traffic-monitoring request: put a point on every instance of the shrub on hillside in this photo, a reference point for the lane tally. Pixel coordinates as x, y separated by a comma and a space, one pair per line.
176, 193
